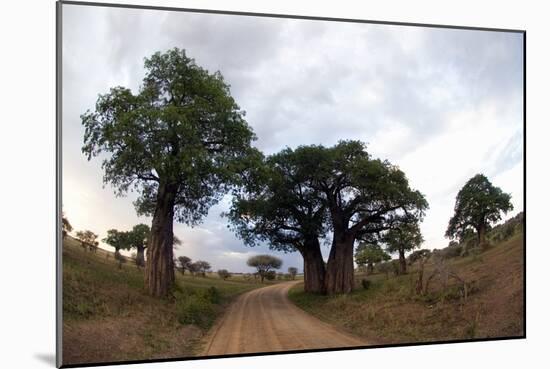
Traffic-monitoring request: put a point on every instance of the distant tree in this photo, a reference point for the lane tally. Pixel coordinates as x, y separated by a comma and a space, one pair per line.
478, 205
88, 239
369, 254
178, 142
120, 259
406, 237
194, 268
202, 267
292, 271
363, 195
185, 263
270, 275
264, 264
139, 238
224, 274
384, 267
119, 240
66, 226
279, 208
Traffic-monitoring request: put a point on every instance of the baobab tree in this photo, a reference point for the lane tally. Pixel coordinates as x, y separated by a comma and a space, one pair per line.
478, 205
363, 196
138, 238
119, 240
179, 141
278, 206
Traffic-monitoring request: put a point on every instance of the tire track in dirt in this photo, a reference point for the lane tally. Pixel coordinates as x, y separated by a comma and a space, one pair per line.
265, 320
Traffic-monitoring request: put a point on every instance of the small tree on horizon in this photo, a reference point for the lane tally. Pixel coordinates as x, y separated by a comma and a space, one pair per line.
66, 226
185, 263
406, 237
292, 271
224, 274
120, 241
264, 264
88, 239
369, 254
202, 267
478, 205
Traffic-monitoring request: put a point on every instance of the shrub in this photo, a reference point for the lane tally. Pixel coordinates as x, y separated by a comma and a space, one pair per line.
195, 309
365, 283
213, 295
271, 275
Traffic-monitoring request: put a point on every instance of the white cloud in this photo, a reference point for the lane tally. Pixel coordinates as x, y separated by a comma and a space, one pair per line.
442, 104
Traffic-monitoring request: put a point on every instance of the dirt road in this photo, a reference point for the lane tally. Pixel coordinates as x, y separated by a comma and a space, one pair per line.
265, 320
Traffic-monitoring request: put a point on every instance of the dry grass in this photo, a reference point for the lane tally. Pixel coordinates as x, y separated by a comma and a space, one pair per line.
391, 312
107, 316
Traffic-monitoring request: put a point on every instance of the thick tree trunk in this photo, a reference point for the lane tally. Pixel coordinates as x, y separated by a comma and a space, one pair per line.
339, 275
140, 258
402, 262
370, 268
481, 241
159, 273
314, 266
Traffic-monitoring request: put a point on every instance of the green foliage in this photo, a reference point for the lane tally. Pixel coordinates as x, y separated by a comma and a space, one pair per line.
224, 274
478, 205
66, 226
185, 263
201, 267
370, 254
292, 271
368, 194
265, 264
119, 240
270, 275
88, 239
181, 131
405, 237
277, 205
195, 309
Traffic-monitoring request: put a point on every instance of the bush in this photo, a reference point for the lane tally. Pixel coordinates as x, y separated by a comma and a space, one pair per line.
271, 275
195, 309
212, 294
365, 283
451, 252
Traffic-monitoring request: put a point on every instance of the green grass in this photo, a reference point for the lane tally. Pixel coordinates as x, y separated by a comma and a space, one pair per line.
108, 316
390, 311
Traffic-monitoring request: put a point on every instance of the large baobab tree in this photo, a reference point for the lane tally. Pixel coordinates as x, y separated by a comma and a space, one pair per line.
178, 141
363, 195
278, 206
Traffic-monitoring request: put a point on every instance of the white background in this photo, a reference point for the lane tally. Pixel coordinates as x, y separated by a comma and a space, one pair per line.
27, 182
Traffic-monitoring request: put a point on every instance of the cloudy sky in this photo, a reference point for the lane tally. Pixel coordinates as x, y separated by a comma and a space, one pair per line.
441, 104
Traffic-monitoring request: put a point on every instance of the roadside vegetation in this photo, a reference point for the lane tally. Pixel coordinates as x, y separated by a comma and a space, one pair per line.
109, 316
485, 299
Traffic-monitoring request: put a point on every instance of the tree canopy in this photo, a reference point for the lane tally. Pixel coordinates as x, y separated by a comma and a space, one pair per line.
278, 206
370, 254
478, 205
405, 237
264, 264
180, 141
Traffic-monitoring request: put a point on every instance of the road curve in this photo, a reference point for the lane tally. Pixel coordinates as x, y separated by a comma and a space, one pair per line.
264, 320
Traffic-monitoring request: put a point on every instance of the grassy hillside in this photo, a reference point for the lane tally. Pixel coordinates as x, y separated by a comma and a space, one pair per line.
390, 310
107, 316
